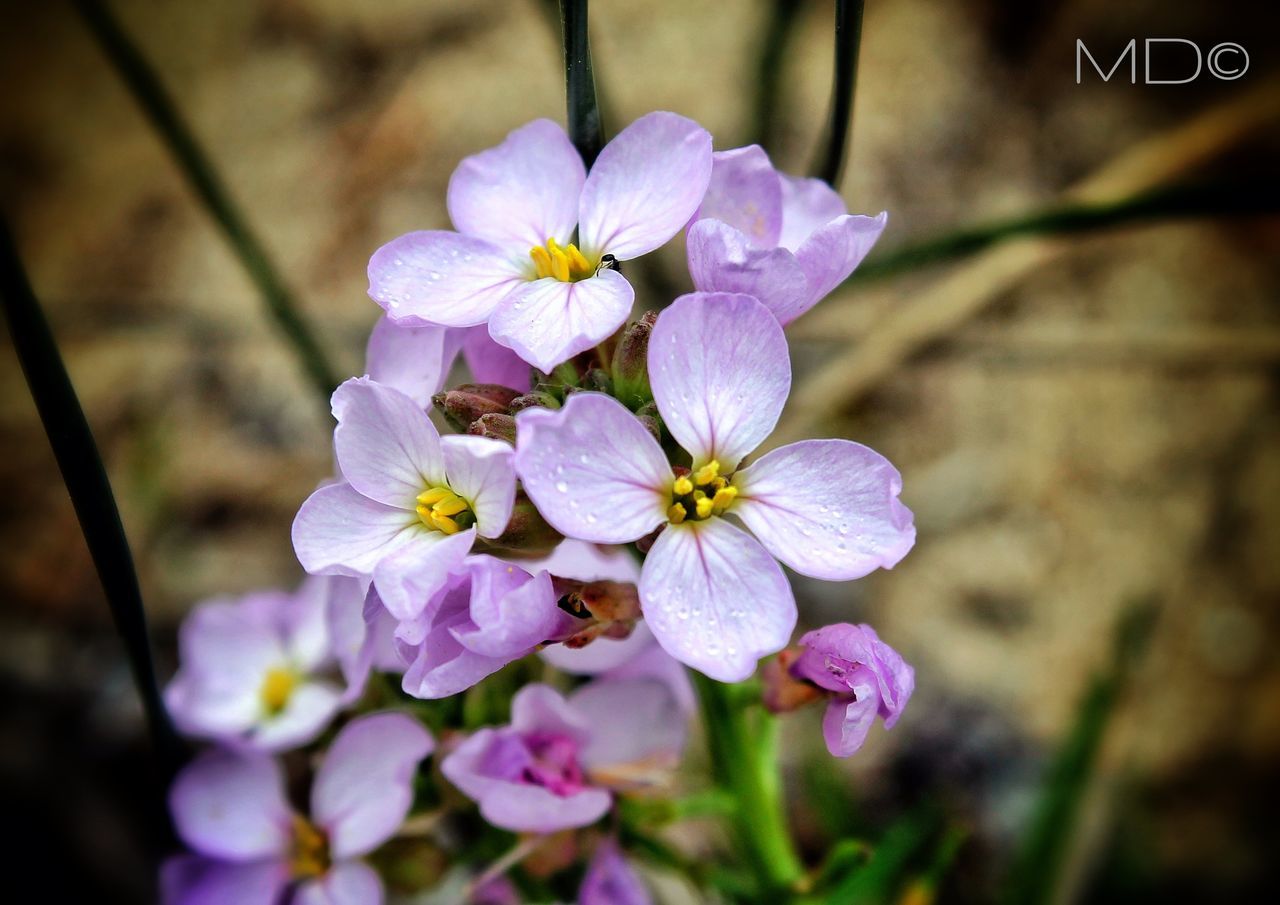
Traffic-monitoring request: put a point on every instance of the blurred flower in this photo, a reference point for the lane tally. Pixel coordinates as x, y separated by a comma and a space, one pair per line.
555, 765
866, 678
787, 241
250, 847
253, 669
512, 262
411, 503
711, 593
611, 881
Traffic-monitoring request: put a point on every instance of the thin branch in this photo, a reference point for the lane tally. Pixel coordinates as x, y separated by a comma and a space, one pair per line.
579, 81
144, 83
830, 161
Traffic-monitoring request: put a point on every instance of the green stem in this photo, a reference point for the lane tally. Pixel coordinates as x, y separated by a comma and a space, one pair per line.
143, 81
579, 80
743, 749
830, 162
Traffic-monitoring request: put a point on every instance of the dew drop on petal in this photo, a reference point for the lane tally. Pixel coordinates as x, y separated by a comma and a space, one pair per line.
562, 487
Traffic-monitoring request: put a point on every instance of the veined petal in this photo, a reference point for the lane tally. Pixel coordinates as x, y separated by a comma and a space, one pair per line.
592, 469
482, 472
715, 599
512, 612
847, 721
721, 259
387, 447
491, 362
745, 193
232, 806
345, 883
546, 322
833, 251
645, 185
806, 205
413, 360
407, 579
827, 508
522, 192
341, 532
363, 790
441, 277
720, 374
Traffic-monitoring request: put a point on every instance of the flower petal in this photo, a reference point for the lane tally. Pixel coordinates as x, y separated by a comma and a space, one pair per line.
592, 469
345, 883
746, 194
413, 360
440, 277
407, 579
633, 721
645, 185
721, 259
364, 788
387, 447
232, 806
720, 373
482, 472
341, 532
546, 322
610, 880
490, 362
511, 611
714, 599
188, 880
807, 204
306, 714
827, 508
847, 721
832, 252
522, 192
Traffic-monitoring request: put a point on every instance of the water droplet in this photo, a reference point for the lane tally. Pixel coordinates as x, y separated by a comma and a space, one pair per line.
562, 487
591, 518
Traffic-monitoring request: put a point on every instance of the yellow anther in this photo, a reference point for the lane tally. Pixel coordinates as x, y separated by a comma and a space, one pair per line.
578, 262
682, 486
309, 856
720, 483
541, 261
724, 496
707, 473
699, 495
676, 514
277, 686
564, 263
703, 506
444, 523
433, 495
437, 507
451, 505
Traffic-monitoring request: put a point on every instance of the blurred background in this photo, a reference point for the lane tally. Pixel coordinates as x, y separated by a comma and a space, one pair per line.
1086, 421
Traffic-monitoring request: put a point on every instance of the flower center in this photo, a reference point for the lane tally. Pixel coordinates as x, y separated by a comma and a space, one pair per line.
700, 494
554, 764
567, 264
309, 851
440, 509
277, 685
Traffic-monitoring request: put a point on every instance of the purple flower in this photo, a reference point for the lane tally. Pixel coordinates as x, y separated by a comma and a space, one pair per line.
362, 633
253, 669
784, 240
411, 503
250, 847
867, 678
553, 767
610, 880
487, 614
511, 262
711, 593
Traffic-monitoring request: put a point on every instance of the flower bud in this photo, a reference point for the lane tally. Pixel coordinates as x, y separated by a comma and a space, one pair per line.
496, 426
651, 418
466, 403
631, 363
538, 397
527, 533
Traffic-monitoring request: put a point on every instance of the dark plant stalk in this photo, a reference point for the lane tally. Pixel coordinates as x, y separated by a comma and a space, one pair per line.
775, 40
830, 160
145, 85
579, 81
86, 481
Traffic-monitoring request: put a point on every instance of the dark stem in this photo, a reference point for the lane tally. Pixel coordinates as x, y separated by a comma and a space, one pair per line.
579, 82
774, 42
144, 83
86, 480
830, 161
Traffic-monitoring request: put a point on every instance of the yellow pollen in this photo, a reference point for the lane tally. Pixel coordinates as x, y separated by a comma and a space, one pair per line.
703, 506
309, 853
440, 509
564, 263
682, 486
676, 514
707, 473
724, 496
277, 686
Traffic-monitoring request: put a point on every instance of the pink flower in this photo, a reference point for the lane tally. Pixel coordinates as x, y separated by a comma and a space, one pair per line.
254, 670
784, 240
411, 503
511, 263
866, 678
711, 593
610, 880
553, 767
250, 845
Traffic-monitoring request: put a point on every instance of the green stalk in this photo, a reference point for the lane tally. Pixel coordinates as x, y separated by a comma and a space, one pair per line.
830, 162
583, 111
744, 763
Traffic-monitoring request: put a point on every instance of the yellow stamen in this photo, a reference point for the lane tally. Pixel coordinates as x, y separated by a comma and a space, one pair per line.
309, 856
277, 686
450, 506
676, 514
682, 486
707, 473
720, 482
433, 495
724, 496
703, 506
564, 263
437, 507
444, 523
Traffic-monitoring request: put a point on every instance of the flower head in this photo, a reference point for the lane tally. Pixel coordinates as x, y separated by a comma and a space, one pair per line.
712, 594
787, 241
553, 767
254, 670
250, 845
513, 262
410, 503
865, 677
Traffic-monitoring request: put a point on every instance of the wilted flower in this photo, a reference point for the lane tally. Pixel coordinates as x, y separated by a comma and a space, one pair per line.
251, 847
513, 263
253, 670
712, 594
787, 241
866, 678
411, 503
555, 765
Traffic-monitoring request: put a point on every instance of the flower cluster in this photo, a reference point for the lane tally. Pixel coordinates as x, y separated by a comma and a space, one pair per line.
604, 505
